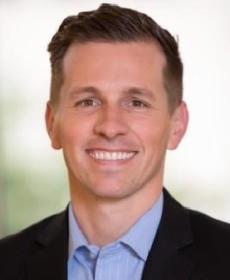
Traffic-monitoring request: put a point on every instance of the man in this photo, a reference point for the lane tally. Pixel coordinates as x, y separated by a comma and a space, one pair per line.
115, 108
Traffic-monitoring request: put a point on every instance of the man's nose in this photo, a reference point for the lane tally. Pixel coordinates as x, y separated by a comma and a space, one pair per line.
111, 122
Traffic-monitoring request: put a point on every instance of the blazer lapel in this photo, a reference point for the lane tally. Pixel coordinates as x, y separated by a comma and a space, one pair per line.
48, 259
169, 257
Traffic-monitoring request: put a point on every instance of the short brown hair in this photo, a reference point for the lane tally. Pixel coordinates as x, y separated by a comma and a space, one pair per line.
112, 23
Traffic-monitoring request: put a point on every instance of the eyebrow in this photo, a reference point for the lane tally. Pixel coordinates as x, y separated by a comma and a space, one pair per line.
127, 91
140, 91
83, 90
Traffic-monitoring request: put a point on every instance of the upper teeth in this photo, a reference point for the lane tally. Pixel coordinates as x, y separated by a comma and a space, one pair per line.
101, 155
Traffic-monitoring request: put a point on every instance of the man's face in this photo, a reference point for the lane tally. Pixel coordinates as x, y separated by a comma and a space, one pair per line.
113, 120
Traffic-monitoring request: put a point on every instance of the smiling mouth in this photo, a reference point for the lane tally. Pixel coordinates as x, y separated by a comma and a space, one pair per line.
112, 156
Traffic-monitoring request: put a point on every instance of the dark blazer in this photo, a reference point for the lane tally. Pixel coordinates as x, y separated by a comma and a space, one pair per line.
188, 246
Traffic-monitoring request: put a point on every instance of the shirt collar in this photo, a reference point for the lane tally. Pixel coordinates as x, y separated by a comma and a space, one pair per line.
76, 236
139, 237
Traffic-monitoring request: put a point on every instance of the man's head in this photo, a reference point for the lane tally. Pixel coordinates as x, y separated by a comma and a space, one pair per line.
117, 81
111, 23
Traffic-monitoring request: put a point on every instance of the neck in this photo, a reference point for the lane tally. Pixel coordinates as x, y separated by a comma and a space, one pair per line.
105, 220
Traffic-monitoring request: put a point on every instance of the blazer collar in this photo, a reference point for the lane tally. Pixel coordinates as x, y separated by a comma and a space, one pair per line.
167, 258
48, 259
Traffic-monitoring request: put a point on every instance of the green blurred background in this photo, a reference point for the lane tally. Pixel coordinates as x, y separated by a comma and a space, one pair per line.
33, 181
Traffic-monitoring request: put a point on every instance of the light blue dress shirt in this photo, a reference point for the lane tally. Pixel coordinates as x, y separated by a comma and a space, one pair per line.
123, 259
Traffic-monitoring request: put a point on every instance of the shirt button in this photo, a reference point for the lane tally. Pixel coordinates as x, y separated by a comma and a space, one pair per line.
92, 256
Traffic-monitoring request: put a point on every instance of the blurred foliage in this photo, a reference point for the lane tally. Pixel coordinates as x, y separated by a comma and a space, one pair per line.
32, 195
32, 185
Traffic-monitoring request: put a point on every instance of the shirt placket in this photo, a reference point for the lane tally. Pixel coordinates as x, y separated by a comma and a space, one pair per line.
107, 264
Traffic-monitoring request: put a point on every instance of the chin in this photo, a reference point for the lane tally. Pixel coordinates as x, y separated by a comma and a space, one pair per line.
111, 191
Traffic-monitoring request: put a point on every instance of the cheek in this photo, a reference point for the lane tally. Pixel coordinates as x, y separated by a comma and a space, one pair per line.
73, 131
152, 134
68, 134
72, 145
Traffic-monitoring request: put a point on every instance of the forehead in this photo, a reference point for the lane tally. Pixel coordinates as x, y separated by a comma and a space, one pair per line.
102, 52
107, 64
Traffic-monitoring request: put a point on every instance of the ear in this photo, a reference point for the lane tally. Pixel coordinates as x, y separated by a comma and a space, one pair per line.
179, 123
51, 126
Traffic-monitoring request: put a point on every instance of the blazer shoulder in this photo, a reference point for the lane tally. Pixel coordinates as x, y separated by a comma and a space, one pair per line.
203, 222
19, 242
17, 249
210, 232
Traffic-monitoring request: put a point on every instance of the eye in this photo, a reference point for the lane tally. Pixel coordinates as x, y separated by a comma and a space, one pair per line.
89, 102
138, 103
